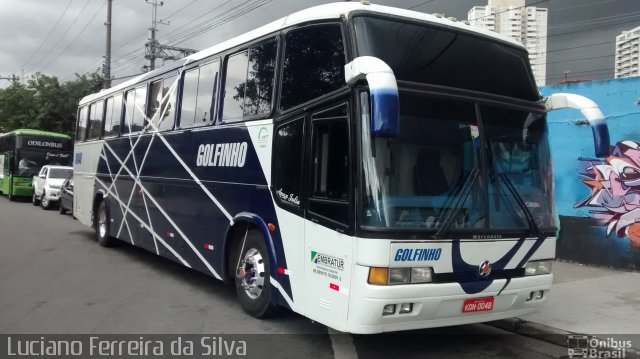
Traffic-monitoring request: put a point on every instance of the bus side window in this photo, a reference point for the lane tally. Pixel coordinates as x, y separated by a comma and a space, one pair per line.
166, 100
313, 66
112, 116
199, 91
81, 127
287, 161
129, 102
139, 116
330, 165
95, 120
249, 80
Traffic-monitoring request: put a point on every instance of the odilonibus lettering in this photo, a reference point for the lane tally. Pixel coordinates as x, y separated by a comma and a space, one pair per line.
23, 152
406, 147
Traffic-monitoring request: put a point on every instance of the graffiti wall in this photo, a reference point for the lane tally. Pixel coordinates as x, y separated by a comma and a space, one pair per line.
598, 198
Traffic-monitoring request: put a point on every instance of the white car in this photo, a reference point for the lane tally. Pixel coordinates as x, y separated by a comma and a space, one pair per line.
46, 185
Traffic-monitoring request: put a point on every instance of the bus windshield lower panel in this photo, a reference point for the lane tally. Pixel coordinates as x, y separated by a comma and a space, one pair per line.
436, 169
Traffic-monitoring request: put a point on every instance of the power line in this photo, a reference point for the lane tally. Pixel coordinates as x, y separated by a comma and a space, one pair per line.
76, 37
422, 3
61, 37
64, 12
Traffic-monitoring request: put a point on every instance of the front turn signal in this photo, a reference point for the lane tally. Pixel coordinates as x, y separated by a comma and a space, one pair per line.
378, 275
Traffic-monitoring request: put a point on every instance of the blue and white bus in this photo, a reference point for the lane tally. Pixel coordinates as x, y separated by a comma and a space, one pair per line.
371, 168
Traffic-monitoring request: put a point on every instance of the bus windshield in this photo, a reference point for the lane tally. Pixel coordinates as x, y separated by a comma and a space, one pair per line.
425, 53
29, 162
436, 170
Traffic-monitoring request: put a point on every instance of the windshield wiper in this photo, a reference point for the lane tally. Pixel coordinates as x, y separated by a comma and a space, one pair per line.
462, 197
527, 213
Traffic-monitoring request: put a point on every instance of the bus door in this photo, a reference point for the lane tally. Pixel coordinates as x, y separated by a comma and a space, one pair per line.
328, 248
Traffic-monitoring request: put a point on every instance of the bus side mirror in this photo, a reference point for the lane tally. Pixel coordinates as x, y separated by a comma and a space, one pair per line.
590, 111
383, 93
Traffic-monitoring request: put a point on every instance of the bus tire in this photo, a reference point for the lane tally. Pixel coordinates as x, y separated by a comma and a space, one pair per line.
252, 278
44, 202
103, 221
34, 199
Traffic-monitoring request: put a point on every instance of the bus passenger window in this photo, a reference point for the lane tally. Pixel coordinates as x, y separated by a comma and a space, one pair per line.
95, 121
189, 96
139, 119
81, 128
198, 95
287, 161
154, 100
313, 64
112, 113
259, 85
235, 86
130, 102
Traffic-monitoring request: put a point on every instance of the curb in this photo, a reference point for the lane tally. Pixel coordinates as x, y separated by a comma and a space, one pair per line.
545, 333
533, 330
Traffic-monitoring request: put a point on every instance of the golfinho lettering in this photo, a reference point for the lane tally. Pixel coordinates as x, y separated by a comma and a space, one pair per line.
417, 254
222, 155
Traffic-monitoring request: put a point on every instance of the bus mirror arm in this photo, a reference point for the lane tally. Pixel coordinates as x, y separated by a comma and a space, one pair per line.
590, 111
383, 93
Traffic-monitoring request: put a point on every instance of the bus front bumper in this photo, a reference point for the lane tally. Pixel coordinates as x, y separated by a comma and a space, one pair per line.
24, 190
438, 305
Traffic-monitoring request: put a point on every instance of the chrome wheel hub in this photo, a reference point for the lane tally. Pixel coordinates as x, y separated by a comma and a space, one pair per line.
251, 272
102, 223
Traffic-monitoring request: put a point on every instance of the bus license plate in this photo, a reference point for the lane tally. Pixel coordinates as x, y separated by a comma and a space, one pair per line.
477, 305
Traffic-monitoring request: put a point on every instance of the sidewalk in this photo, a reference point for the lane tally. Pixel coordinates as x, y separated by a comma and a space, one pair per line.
585, 300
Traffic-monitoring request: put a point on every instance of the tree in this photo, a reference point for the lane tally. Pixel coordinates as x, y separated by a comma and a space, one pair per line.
45, 104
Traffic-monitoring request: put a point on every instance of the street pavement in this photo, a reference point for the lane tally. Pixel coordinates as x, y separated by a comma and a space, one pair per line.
56, 279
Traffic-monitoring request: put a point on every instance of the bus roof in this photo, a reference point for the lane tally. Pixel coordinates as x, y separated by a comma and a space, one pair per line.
28, 131
321, 12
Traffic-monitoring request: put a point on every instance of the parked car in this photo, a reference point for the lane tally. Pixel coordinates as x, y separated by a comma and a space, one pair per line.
46, 185
66, 196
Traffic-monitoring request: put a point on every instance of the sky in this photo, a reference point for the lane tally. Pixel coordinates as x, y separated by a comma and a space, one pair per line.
64, 37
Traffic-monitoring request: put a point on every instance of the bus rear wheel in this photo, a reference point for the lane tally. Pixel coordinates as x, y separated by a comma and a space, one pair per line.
252, 278
102, 223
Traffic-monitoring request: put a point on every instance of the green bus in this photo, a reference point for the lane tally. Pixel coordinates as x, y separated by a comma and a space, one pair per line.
23, 152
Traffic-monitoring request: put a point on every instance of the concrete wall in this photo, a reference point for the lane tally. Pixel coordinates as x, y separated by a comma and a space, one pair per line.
598, 199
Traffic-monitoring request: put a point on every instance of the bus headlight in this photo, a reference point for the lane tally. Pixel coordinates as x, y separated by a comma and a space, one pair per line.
538, 267
421, 275
394, 276
399, 276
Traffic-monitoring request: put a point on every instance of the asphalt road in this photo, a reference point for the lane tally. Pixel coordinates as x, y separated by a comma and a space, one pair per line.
56, 279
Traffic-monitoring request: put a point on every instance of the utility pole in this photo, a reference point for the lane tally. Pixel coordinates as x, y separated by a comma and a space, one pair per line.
151, 46
153, 49
106, 70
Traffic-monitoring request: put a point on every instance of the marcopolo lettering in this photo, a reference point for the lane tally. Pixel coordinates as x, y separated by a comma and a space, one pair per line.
417, 254
222, 155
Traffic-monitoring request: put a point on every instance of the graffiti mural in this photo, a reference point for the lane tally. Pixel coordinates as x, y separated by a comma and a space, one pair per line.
615, 190
598, 194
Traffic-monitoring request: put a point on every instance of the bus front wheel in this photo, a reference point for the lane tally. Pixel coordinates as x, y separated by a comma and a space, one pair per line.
34, 199
252, 279
103, 221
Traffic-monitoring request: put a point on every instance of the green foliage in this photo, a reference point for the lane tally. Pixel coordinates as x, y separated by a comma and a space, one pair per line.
43, 103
